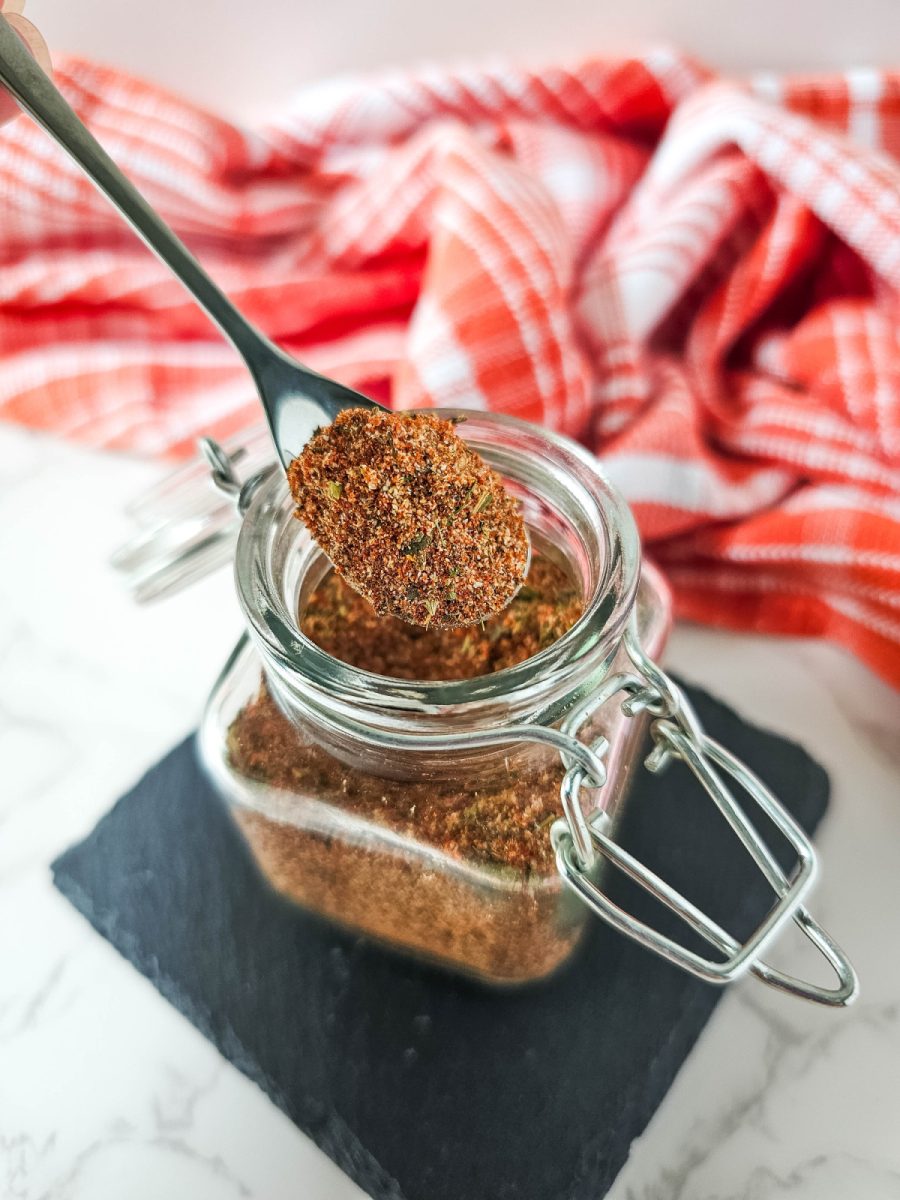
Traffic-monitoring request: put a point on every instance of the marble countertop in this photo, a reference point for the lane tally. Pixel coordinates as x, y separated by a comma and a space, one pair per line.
107, 1091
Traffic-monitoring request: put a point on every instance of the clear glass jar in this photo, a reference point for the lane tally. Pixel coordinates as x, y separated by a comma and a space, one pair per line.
356, 729
566, 724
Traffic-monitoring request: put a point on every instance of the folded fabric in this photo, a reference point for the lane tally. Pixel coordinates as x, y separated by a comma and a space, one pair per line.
697, 279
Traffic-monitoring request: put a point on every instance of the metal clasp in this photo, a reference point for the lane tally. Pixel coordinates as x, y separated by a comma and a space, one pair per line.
678, 734
225, 477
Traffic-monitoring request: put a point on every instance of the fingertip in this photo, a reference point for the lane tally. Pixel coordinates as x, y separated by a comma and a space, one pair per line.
30, 36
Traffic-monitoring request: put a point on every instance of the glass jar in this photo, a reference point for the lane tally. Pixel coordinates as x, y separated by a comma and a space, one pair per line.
563, 730
357, 731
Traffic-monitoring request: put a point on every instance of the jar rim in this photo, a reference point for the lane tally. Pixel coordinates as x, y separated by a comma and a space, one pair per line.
298, 661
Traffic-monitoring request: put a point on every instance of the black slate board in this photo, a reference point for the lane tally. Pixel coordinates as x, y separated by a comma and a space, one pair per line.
418, 1084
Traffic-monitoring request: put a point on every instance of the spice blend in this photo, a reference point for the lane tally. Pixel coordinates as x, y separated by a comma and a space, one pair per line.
342, 623
502, 935
412, 518
509, 932
501, 822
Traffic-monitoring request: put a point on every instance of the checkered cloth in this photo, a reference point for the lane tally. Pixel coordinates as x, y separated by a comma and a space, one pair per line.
698, 280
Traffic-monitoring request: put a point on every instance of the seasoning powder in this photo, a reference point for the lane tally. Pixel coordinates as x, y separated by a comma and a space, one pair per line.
411, 516
342, 623
499, 823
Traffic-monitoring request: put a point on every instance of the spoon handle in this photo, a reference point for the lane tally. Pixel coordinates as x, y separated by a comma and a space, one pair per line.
35, 92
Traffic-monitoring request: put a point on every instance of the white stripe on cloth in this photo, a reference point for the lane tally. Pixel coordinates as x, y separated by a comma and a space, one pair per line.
693, 486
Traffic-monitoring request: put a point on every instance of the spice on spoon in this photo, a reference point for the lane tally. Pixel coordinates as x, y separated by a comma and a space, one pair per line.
412, 518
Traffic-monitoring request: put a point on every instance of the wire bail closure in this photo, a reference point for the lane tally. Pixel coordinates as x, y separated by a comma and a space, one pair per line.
226, 479
676, 732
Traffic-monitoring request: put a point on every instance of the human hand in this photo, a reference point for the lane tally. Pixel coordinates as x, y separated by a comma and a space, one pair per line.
12, 11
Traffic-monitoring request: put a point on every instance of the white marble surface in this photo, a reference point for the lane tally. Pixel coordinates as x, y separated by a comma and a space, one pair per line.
106, 1091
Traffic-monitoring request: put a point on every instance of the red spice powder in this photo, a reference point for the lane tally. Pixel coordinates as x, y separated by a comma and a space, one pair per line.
412, 518
506, 936
345, 625
518, 930
503, 819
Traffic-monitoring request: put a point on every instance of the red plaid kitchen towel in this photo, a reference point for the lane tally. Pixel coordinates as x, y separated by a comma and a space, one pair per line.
699, 280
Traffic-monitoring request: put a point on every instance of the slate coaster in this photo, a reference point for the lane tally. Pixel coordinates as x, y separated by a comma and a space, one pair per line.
418, 1084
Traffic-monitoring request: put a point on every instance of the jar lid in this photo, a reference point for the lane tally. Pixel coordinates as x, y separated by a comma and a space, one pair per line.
186, 526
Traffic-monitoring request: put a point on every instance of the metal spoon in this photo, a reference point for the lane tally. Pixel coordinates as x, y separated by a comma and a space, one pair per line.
296, 400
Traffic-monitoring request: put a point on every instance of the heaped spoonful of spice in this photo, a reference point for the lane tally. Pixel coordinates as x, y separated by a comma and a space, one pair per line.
411, 517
